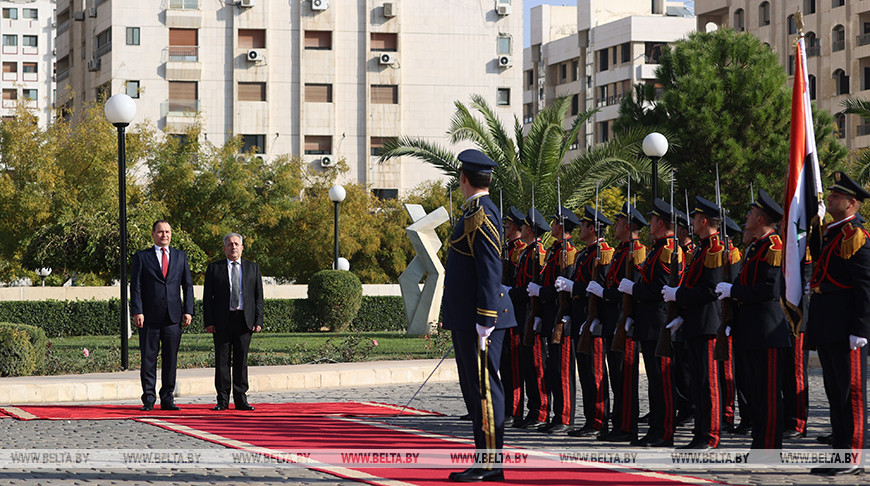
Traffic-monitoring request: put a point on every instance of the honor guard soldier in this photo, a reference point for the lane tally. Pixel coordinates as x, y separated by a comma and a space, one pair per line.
759, 330
679, 363
533, 353
839, 323
700, 318
795, 395
591, 265
621, 365
511, 376
650, 315
477, 311
561, 362
728, 387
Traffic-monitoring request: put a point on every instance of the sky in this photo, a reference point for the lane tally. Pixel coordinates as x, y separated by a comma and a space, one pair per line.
528, 4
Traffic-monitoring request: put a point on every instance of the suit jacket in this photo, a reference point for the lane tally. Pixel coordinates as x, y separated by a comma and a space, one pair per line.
216, 294
157, 297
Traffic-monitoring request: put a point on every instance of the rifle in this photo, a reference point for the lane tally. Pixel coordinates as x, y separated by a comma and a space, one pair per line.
618, 343
564, 297
584, 344
506, 274
720, 352
663, 346
529, 330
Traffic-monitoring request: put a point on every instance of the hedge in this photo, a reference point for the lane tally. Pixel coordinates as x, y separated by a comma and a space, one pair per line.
60, 318
22, 349
336, 296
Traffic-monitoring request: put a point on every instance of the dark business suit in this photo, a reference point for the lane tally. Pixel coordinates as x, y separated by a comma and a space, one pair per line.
159, 299
233, 328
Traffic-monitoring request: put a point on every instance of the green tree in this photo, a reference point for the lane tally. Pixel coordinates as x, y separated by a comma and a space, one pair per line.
725, 101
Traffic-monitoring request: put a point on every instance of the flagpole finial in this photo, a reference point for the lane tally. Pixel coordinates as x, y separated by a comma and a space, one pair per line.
799, 22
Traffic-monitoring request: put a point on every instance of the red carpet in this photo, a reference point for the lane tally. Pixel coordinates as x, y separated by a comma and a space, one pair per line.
279, 436
120, 412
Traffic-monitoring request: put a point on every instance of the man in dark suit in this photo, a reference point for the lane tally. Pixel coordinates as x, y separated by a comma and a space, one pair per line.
232, 305
159, 276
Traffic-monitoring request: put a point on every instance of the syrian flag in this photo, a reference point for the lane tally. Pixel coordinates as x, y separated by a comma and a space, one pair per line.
804, 207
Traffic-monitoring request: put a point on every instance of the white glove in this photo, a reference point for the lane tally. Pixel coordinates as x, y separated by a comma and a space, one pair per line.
537, 325
856, 342
595, 326
533, 289
595, 288
505, 289
728, 331
674, 325
483, 332
629, 323
564, 285
626, 286
669, 293
724, 290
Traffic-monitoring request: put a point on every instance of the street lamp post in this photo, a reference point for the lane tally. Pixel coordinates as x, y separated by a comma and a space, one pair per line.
43, 272
336, 195
655, 146
120, 110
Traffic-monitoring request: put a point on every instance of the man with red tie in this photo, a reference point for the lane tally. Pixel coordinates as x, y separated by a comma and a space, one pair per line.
158, 277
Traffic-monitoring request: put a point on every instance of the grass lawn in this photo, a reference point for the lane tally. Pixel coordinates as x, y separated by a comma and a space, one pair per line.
67, 356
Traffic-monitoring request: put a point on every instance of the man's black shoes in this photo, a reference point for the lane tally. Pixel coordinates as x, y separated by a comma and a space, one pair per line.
476, 474
244, 406
147, 407
219, 407
169, 406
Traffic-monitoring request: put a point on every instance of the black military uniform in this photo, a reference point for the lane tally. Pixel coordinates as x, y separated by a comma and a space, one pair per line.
650, 315
561, 365
532, 358
511, 375
591, 368
760, 332
728, 387
795, 395
473, 296
840, 320
680, 362
622, 366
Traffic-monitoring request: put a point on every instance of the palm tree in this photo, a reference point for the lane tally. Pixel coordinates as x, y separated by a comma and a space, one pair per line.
537, 158
862, 160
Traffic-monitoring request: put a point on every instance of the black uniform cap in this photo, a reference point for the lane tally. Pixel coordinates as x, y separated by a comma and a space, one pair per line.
664, 210
515, 215
843, 183
706, 207
733, 227
682, 219
540, 225
476, 161
589, 215
636, 216
768, 205
571, 219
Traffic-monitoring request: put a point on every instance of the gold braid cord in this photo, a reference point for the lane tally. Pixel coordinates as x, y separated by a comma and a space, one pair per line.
488, 422
477, 224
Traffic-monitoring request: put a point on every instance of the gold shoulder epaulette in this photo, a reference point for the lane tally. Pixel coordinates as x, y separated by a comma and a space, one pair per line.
668, 253
606, 254
571, 255
774, 252
715, 256
639, 254
735, 255
853, 239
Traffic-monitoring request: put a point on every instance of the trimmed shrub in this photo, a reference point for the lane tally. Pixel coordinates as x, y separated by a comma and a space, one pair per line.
17, 355
336, 296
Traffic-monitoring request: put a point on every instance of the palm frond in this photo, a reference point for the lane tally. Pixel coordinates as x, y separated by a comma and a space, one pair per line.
856, 107
422, 149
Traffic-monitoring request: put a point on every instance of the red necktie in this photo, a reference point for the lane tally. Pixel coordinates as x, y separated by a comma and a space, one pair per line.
165, 262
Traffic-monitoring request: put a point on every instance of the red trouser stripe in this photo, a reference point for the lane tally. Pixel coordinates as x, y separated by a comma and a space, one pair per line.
771, 389
856, 399
517, 390
665, 366
729, 385
598, 366
801, 388
565, 378
628, 363
539, 380
713, 385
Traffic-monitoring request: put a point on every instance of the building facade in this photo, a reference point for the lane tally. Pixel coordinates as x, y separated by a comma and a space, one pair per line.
595, 53
323, 79
27, 57
837, 34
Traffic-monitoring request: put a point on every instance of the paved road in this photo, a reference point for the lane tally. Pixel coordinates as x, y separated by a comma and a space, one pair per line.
444, 398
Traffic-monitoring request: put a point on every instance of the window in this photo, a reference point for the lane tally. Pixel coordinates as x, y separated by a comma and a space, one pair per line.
764, 14
30, 13
132, 88
792, 26
10, 67
28, 67
837, 3
841, 81
10, 40
603, 59
838, 38
809, 7
132, 36
385, 94
184, 4
626, 52
252, 91
575, 70
503, 97
652, 52
603, 133
738, 20
382, 41
814, 46
183, 96
103, 92
388, 193
104, 42
318, 39
840, 120
563, 71
791, 65
613, 57
10, 13
575, 105
183, 45
254, 143
29, 94
504, 44
530, 77
318, 144
378, 143
318, 93
248, 39
528, 116
30, 41
812, 87
10, 96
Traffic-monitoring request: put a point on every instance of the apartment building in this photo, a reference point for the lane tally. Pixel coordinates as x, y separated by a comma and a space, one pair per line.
27, 56
323, 79
595, 53
837, 34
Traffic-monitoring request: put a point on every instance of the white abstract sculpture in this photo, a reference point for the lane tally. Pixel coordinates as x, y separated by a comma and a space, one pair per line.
422, 306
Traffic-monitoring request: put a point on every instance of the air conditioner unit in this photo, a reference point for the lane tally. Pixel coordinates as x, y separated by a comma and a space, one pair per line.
390, 9
256, 55
505, 61
327, 161
92, 13
387, 58
95, 64
247, 3
79, 16
319, 5
503, 9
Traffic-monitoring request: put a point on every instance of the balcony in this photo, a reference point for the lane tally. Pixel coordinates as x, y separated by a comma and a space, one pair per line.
181, 54
864, 129
30, 76
610, 100
838, 45
814, 51
179, 107
863, 39
13, 76
61, 75
63, 27
104, 49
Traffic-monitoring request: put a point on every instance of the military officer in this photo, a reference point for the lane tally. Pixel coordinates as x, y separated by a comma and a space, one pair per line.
477, 311
510, 357
679, 363
839, 322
